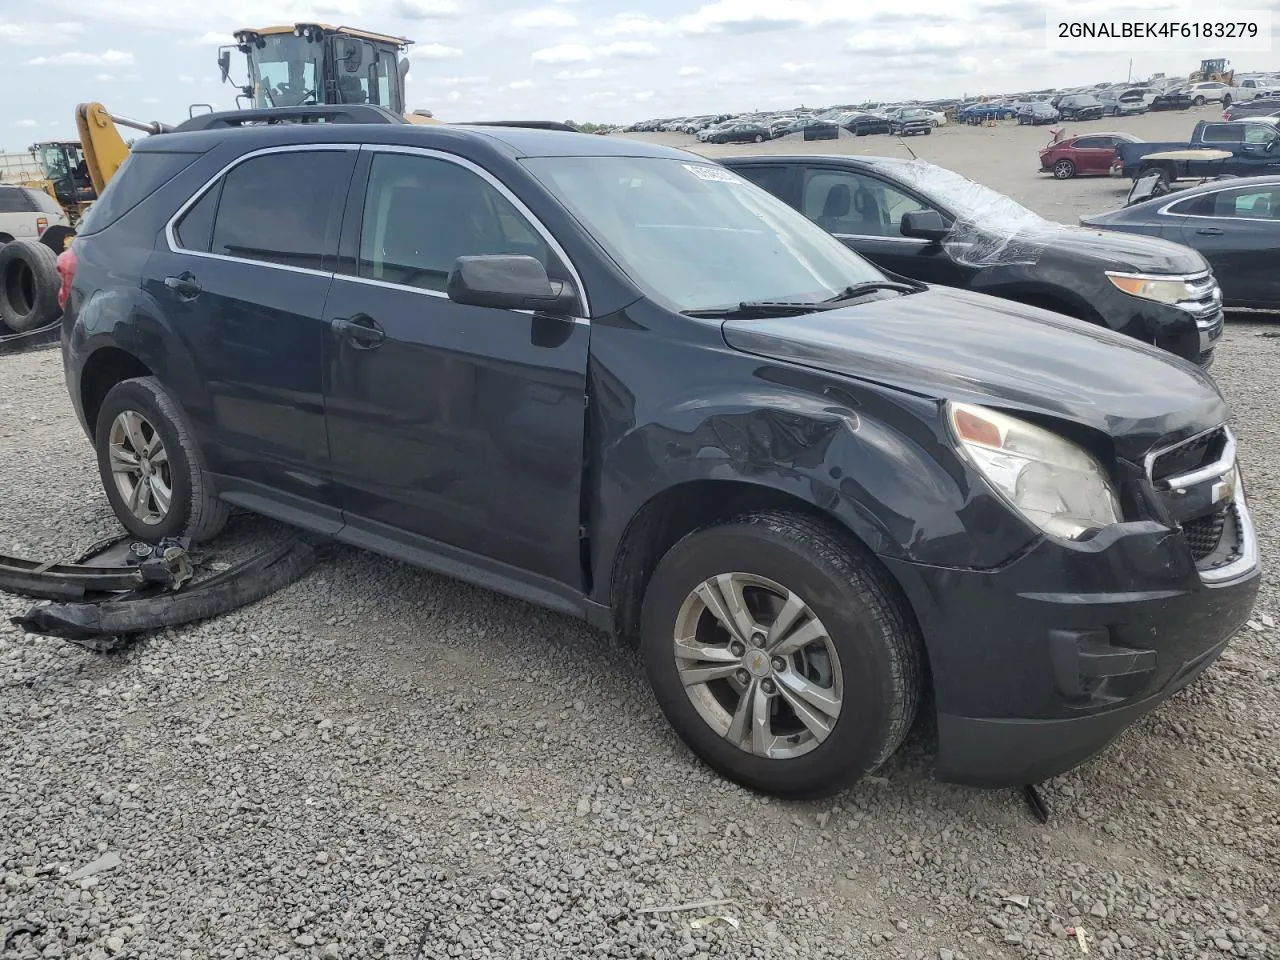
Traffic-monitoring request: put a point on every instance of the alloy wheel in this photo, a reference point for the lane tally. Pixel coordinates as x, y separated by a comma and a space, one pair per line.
140, 467
758, 665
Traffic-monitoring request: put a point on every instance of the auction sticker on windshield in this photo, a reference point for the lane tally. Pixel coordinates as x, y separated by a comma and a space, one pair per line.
715, 174
1122, 31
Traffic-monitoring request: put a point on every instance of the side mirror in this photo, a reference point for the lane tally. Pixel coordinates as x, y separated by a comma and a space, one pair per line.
508, 282
224, 63
352, 55
924, 225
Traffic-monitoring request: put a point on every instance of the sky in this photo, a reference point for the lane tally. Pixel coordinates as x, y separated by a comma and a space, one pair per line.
597, 60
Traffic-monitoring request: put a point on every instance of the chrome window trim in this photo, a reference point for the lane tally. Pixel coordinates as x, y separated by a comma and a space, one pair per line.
424, 291
171, 238
1165, 210
502, 188
871, 236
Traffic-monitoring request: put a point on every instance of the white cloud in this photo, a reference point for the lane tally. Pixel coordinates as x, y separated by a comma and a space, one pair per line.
457, 81
434, 51
748, 16
692, 71
38, 32
564, 53
632, 24
104, 78
798, 67
520, 85
630, 49
77, 58
424, 9
210, 38
591, 73
24, 123
640, 96
547, 18
186, 78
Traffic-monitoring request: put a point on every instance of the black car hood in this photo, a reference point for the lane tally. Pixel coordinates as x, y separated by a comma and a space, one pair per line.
952, 344
1121, 251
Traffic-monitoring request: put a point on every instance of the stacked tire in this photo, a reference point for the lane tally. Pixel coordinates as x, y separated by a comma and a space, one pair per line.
29, 286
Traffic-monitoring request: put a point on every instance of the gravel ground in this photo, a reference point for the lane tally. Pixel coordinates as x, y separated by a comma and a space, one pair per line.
377, 762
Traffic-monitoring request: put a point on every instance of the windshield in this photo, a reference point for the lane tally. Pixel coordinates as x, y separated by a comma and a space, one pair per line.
285, 71
966, 199
696, 236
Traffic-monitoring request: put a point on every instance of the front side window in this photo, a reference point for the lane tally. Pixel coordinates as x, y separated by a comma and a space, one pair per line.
851, 203
282, 208
1222, 133
696, 236
421, 214
1248, 203
1257, 133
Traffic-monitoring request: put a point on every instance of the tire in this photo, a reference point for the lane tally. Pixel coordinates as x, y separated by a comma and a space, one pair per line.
928, 130
1198, 102
28, 285
1064, 170
759, 139
57, 238
1165, 176
867, 653
193, 510
1226, 101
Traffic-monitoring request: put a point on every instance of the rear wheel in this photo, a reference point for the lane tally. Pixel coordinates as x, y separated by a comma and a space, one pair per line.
780, 654
151, 468
1064, 170
1198, 102
759, 138
1226, 101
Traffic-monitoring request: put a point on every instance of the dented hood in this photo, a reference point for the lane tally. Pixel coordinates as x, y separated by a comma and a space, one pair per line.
952, 344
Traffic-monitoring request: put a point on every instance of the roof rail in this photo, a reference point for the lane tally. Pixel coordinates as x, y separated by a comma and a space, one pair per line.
318, 113
531, 124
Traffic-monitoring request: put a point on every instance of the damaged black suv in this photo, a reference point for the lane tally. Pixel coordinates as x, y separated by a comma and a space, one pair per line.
624, 383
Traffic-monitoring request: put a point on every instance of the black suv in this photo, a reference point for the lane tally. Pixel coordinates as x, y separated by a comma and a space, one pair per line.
622, 382
923, 221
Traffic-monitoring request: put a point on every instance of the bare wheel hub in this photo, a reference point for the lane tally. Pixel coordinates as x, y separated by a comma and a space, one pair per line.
758, 665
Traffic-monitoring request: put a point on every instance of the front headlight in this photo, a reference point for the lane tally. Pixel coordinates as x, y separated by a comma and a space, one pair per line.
1168, 290
1056, 485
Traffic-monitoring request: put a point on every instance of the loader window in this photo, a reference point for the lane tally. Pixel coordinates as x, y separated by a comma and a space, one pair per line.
285, 71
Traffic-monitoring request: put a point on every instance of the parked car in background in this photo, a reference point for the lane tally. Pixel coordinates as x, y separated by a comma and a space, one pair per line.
735, 132
1175, 99
922, 221
1249, 147
1210, 91
1122, 103
912, 121
1080, 106
980, 112
1092, 154
1251, 88
27, 214
1234, 223
1266, 106
626, 386
1037, 112
862, 124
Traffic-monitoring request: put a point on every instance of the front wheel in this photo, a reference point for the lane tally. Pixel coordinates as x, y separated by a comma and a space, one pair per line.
151, 467
1226, 101
928, 130
1198, 102
1064, 170
759, 139
780, 654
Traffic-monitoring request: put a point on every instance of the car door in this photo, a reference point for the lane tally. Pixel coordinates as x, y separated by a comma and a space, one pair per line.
1238, 231
865, 213
452, 428
241, 276
1093, 154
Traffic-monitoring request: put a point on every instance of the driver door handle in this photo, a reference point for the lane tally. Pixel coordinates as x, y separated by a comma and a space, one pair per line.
185, 285
1209, 232
361, 331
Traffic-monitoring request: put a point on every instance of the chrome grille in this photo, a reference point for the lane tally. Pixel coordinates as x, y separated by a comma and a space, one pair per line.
1192, 454
1204, 303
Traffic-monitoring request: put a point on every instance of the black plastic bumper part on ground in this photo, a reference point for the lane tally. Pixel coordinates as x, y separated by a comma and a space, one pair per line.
1041, 664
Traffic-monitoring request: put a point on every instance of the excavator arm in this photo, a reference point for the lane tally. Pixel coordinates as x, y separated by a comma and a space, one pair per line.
104, 148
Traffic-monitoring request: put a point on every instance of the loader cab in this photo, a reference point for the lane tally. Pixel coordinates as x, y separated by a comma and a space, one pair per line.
65, 170
305, 63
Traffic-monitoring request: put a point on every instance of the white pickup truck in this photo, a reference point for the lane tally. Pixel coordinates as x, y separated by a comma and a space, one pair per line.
1250, 87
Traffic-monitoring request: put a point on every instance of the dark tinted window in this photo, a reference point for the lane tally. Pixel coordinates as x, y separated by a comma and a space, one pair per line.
194, 230
421, 214
1223, 133
1093, 143
772, 178
142, 173
15, 200
284, 207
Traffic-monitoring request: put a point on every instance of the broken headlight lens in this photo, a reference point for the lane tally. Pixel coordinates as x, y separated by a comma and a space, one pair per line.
1056, 485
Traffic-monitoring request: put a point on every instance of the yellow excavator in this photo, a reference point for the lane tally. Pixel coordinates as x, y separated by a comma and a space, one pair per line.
1215, 70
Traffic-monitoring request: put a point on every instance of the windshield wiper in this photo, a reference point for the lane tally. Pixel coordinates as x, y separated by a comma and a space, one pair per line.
795, 308
858, 289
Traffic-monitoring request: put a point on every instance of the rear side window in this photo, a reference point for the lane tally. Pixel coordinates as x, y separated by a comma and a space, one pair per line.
195, 230
15, 200
142, 173
1223, 133
282, 208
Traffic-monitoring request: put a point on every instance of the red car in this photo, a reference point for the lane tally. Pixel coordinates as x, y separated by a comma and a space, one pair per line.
1090, 155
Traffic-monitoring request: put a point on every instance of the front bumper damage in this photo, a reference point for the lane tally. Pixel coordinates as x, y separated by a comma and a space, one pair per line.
120, 589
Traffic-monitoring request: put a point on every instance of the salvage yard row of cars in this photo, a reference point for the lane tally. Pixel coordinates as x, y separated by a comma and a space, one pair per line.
858, 433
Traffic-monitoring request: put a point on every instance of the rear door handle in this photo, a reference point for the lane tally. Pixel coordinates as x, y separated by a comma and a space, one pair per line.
185, 285
1209, 232
361, 331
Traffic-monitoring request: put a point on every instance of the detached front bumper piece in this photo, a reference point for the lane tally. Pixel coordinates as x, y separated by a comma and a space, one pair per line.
106, 623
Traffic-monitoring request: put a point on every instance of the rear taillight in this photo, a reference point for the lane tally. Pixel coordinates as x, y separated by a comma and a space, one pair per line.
67, 273
42, 224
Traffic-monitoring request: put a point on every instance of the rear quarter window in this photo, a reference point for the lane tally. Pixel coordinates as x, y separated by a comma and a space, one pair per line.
142, 173
15, 200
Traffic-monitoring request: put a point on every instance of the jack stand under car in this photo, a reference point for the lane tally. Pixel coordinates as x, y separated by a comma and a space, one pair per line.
103, 607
